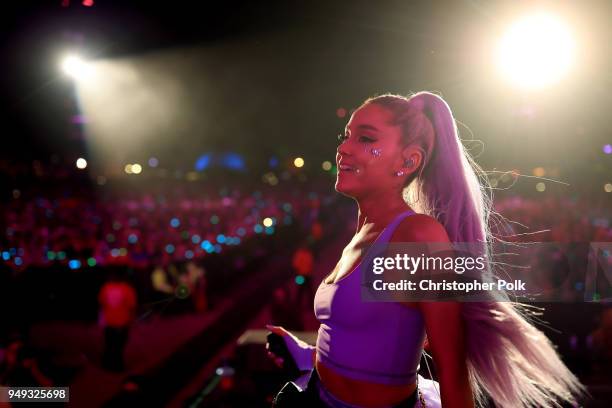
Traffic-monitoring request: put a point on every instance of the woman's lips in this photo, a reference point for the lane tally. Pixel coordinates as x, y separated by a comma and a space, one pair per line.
346, 167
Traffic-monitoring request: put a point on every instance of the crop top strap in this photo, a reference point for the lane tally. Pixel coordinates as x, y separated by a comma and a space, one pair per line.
390, 229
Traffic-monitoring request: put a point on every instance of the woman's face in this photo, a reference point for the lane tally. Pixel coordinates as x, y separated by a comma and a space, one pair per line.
369, 154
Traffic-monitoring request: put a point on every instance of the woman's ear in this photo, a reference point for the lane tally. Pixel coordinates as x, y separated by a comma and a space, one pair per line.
413, 158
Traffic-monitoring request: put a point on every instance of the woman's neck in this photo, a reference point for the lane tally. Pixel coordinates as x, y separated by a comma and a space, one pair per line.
380, 210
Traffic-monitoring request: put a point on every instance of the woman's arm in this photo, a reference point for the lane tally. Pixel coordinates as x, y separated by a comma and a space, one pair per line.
443, 322
446, 335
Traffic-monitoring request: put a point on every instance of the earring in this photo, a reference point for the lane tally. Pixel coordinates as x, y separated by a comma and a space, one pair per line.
399, 173
376, 152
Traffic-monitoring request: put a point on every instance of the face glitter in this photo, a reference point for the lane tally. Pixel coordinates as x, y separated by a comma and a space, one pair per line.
376, 152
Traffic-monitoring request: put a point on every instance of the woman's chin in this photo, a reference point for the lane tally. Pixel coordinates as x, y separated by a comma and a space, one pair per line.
343, 188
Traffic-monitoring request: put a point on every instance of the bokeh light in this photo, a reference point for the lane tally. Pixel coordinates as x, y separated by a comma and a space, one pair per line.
136, 168
298, 162
539, 172
81, 163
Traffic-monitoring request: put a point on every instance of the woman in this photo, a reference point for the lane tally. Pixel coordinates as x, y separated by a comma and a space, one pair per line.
402, 161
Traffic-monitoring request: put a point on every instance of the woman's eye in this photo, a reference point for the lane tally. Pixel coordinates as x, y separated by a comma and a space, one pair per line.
365, 139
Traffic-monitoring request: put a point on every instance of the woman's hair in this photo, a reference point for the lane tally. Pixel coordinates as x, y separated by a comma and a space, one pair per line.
509, 360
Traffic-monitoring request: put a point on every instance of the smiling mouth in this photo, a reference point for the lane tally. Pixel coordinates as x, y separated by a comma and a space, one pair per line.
344, 167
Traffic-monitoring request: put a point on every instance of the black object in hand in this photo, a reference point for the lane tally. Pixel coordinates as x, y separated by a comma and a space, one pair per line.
277, 346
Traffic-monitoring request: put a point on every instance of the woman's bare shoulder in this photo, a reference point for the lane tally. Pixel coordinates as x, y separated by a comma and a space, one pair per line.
420, 228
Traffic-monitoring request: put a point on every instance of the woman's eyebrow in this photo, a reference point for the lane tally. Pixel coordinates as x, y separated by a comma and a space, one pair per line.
364, 127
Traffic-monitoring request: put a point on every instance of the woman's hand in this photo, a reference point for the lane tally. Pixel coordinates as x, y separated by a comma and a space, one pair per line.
303, 354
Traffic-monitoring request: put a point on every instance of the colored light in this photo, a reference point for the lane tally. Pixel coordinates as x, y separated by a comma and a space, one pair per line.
326, 165
221, 238
189, 254
61, 255
269, 230
169, 248
7, 255
136, 168
268, 222
341, 112
299, 279
115, 252
175, 222
153, 162
607, 149
218, 248
608, 188
132, 238
214, 220
110, 238
196, 239
241, 231
203, 162
273, 162
541, 187
539, 172
91, 262
287, 207
81, 163
123, 251
233, 161
298, 162
258, 229
128, 168
18, 261
182, 291
74, 264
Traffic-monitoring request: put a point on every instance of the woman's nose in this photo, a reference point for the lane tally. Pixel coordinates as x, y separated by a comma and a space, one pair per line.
343, 149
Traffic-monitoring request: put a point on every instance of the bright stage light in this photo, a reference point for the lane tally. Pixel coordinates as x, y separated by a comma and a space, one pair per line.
76, 68
536, 51
298, 162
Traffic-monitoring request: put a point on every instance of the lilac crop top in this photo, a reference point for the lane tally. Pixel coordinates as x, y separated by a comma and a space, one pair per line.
380, 342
